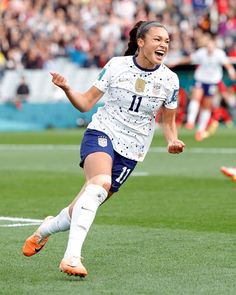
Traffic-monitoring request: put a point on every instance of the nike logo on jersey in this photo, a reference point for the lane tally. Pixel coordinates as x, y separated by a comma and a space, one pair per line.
123, 80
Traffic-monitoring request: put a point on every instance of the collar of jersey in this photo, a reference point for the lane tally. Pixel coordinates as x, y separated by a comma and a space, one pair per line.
144, 69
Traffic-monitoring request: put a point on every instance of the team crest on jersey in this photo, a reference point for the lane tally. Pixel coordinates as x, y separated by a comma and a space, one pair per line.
156, 88
140, 85
102, 141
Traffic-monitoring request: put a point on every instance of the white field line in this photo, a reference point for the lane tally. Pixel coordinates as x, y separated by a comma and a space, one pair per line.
38, 147
18, 224
53, 147
19, 221
139, 173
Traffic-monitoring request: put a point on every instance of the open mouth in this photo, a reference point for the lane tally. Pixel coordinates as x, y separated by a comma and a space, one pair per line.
160, 53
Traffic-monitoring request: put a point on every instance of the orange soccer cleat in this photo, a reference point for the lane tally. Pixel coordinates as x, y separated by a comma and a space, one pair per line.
189, 126
73, 266
33, 245
234, 178
35, 242
211, 129
201, 135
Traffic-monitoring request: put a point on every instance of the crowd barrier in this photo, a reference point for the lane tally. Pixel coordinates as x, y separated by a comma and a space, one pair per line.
39, 116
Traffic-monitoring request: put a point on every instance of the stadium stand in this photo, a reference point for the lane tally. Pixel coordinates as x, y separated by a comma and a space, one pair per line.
34, 33
74, 37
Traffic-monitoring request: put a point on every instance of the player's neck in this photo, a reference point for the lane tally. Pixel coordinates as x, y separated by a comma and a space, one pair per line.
145, 64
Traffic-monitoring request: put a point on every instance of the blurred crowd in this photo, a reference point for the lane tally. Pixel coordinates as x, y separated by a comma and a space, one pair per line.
89, 32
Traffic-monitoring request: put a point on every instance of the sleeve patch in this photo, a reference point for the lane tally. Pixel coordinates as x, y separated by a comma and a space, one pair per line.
174, 95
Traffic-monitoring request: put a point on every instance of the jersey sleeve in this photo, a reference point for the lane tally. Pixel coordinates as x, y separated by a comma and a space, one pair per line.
104, 78
223, 57
171, 101
196, 56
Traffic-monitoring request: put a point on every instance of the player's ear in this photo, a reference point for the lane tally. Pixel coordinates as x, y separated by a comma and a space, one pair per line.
140, 42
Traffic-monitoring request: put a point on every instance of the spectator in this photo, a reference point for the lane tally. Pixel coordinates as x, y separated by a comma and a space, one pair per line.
22, 93
32, 59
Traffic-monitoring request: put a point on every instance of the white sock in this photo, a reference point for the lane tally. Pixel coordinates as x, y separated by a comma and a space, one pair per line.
204, 118
59, 223
83, 214
193, 109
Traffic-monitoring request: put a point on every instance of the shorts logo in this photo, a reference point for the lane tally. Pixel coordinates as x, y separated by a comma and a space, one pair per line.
102, 141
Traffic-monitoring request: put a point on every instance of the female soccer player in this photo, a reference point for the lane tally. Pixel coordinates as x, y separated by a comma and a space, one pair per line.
207, 76
119, 136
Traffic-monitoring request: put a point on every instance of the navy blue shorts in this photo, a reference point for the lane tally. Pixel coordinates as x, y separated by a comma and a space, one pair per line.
208, 89
97, 141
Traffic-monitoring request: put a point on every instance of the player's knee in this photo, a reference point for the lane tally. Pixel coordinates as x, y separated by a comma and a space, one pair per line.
102, 180
94, 195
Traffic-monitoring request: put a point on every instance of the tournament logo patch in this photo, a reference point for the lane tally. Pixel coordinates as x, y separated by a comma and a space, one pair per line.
102, 141
174, 97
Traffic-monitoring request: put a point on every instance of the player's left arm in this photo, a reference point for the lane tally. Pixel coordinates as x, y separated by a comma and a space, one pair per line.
175, 146
231, 71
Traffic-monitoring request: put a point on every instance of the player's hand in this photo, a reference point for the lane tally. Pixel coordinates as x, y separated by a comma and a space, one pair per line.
60, 81
176, 146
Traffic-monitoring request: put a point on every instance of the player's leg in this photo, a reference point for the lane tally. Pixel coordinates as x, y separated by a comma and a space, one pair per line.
96, 158
204, 117
228, 171
50, 225
92, 141
84, 209
86, 203
205, 111
98, 182
194, 105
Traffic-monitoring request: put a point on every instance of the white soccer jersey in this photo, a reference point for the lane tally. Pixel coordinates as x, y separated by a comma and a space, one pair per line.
209, 69
134, 97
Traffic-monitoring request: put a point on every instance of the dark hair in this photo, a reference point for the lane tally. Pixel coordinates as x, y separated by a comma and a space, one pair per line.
139, 31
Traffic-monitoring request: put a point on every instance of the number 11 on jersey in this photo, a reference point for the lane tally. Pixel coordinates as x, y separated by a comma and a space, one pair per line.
136, 102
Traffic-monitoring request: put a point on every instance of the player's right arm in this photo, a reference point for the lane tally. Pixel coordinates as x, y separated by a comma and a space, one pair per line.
82, 101
175, 146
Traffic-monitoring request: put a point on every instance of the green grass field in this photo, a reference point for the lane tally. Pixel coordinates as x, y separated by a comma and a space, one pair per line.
170, 230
